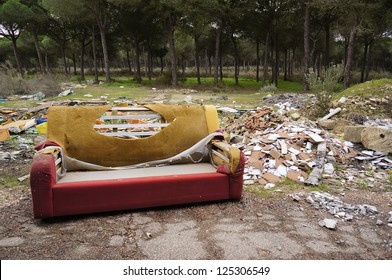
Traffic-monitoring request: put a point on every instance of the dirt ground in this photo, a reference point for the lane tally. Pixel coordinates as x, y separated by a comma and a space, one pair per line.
256, 227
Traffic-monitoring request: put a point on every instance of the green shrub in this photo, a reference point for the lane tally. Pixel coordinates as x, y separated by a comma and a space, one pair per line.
270, 89
325, 86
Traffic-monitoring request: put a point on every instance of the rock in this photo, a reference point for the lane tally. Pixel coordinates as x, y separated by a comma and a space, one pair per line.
116, 241
353, 133
341, 124
328, 223
327, 124
379, 223
390, 220
309, 199
349, 217
295, 197
377, 139
371, 209
328, 168
65, 93
390, 225
295, 116
11, 241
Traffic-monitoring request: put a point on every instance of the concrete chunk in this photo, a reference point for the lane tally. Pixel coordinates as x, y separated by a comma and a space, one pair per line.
353, 133
377, 139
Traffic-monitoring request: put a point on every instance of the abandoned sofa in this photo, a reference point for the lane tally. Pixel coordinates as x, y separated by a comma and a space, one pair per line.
101, 158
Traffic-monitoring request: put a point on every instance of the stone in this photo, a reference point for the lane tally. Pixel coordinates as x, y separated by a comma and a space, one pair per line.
390, 225
328, 168
377, 139
11, 241
116, 241
309, 199
349, 217
341, 125
328, 223
371, 209
327, 124
352, 133
295, 116
379, 223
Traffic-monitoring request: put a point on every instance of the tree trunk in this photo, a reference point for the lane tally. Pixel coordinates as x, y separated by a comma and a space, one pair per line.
39, 54
285, 65
129, 62
95, 62
197, 59
74, 64
364, 61
217, 54
172, 49
236, 60
305, 84
265, 70
46, 62
257, 61
327, 39
16, 55
82, 54
161, 60
64, 59
276, 69
350, 53
367, 70
102, 30
138, 76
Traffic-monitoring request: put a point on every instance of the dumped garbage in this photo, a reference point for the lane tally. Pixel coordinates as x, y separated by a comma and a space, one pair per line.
298, 150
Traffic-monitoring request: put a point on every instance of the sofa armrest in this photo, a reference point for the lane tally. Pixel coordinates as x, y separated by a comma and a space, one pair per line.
231, 161
42, 180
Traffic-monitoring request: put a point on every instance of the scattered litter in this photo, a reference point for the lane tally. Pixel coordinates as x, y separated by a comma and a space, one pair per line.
328, 223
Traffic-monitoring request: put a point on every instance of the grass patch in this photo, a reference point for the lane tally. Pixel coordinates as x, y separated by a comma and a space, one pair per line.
320, 188
374, 88
9, 182
260, 191
289, 184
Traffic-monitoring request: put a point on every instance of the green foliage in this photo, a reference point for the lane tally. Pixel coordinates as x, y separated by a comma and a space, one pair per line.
378, 88
270, 89
325, 86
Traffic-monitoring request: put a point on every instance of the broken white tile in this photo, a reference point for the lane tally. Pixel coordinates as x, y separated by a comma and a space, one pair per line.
282, 170
283, 147
247, 153
309, 145
269, 186
257, 148
273, 137
316, 138
256, 172
294, 151
368, 153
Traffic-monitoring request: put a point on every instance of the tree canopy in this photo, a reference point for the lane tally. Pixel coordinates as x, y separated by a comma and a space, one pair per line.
287, 38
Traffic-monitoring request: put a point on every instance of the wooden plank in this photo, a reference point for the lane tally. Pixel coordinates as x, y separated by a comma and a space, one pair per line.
131, 117
143, 125
129, 109
129, 134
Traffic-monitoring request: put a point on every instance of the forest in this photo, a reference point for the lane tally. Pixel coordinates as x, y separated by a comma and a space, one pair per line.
266, 40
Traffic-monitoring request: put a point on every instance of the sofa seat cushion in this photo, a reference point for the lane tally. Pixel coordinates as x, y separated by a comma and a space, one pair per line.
193, 183
177, 169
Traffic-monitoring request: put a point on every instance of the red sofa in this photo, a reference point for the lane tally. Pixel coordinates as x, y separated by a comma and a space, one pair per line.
171, 180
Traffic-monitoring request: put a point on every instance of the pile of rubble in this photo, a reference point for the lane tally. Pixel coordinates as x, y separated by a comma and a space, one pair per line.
298, 150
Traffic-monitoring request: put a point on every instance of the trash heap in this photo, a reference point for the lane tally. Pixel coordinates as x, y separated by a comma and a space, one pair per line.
277, 149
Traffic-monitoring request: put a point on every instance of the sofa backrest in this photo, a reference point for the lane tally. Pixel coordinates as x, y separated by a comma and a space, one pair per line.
73, 129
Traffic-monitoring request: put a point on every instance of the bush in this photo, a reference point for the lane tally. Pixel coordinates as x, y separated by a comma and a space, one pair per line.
12, 83
270, 89
325, 86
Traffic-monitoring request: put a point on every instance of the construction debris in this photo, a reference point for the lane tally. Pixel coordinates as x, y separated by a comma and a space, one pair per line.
277, 149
